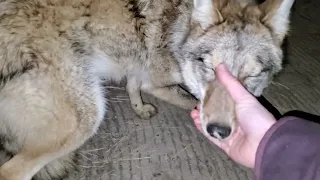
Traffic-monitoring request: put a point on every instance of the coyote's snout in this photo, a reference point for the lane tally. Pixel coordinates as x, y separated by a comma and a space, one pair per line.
218, 115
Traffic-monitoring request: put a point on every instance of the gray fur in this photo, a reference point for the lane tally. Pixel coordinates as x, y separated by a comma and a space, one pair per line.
54, 55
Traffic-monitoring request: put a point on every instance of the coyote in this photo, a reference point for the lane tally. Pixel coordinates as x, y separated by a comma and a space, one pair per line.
55, 54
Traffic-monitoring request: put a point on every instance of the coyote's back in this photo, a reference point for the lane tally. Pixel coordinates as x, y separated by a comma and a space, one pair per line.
53, 57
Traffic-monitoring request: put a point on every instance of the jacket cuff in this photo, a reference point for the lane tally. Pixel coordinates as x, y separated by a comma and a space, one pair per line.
264, 142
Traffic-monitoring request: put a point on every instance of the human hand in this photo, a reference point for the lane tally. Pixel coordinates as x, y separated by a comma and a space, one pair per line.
253, 119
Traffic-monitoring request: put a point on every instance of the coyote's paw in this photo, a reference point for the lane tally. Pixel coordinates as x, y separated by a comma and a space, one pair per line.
146, 111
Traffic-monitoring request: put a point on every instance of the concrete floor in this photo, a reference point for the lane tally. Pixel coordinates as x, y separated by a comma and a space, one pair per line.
170, 148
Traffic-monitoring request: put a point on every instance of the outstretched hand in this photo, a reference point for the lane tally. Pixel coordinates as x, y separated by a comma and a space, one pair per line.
253, 119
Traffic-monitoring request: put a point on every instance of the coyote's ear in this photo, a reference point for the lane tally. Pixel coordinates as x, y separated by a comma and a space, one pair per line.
206, 13
276, 15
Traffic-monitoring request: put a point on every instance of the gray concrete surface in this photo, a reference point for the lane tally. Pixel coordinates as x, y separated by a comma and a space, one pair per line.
169, 148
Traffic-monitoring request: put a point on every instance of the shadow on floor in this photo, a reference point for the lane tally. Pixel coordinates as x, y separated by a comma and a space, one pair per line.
304, 115
270, 107
296, 113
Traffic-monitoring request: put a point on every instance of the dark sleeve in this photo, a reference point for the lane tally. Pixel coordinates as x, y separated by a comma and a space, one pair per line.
290, 150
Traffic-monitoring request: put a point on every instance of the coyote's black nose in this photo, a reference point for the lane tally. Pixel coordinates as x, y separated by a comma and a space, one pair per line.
218, 131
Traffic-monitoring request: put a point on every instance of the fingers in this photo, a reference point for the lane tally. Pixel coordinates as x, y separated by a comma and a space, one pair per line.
195, 114
197, 123
233, 86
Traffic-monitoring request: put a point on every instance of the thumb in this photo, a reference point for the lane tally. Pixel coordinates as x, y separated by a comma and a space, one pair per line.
233, 86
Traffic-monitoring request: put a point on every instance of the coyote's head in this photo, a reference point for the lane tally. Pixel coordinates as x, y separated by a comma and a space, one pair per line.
246, 37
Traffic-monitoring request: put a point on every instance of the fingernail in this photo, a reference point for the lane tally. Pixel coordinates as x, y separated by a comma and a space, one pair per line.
223, 66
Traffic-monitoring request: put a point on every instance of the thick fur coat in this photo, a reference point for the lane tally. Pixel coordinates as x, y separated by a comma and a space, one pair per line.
54, 55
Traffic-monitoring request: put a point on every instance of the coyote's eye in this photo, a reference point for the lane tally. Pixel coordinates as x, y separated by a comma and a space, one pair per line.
201, 59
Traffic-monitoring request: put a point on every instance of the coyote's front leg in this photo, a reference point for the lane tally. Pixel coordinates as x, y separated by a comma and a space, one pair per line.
144, 110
